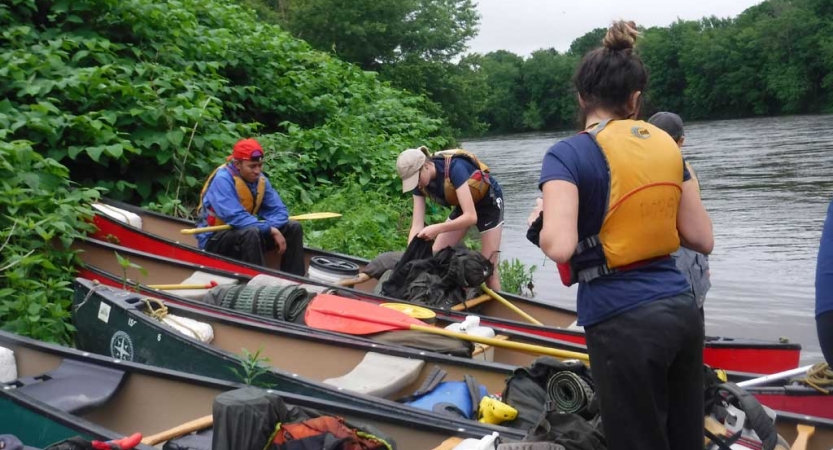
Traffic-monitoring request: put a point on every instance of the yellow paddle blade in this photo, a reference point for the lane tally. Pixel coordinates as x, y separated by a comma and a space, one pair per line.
308, 216
315, 216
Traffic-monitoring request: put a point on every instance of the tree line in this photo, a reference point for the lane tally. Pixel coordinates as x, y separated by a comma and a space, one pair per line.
774, 58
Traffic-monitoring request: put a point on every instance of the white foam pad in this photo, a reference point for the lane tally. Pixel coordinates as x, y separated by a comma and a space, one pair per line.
8, 367
379, 375
121, 215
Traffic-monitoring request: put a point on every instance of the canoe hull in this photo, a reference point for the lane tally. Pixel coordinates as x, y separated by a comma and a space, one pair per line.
96, 254
109, 323
163, 239
152, 399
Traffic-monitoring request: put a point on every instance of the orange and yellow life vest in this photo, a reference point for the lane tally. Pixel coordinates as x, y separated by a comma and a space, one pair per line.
640, 222
479, 182
250, 203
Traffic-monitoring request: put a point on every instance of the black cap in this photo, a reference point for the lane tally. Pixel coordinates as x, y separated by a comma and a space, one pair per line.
668, 122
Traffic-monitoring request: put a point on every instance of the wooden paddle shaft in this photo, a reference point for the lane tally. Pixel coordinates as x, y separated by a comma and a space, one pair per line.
185, 428
174, 287
521, 347
310, 216
350, 282
471, 303
804, 433
509, 305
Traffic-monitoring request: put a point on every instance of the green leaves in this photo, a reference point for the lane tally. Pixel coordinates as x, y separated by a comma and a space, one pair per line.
147, 88
42, 213
517, 278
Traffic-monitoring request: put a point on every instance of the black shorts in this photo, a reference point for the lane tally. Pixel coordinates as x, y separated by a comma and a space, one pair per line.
489, 210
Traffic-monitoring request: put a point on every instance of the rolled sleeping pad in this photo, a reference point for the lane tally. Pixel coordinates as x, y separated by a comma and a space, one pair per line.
277, 302
568, 392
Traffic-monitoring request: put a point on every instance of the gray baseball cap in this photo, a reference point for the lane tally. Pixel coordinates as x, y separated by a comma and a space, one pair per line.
668, 122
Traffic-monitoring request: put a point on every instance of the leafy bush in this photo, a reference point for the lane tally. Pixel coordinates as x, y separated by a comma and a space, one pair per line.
42, 214
372, 222
515, 276
120, 89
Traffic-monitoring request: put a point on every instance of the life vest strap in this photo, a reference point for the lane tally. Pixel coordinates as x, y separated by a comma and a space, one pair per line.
587, 244
591, 273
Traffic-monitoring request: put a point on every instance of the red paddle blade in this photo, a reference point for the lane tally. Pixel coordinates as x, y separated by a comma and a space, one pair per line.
333, 313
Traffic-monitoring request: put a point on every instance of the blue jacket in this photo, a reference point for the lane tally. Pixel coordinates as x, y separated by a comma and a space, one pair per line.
222, 197
824, 267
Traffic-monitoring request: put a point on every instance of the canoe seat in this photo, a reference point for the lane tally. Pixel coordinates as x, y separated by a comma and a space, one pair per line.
75, 387
379, 375
200, 278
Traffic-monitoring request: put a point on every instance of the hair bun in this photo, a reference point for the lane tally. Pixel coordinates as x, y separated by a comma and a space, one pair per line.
620, 36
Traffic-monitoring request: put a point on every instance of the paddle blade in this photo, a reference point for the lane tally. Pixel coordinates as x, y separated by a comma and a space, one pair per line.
316, 216
333, 313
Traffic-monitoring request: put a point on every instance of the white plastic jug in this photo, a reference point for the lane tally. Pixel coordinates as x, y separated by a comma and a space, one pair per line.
484, 443
471, 326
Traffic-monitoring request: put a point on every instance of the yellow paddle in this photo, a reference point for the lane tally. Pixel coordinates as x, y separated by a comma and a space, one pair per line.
509, 305
172, 287
309, 216
344, 315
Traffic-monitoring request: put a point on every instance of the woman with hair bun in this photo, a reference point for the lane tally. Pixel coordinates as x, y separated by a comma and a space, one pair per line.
617, 201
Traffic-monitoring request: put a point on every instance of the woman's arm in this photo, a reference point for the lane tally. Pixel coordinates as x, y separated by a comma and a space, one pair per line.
467, 219
693, 222
559, 235
418, 217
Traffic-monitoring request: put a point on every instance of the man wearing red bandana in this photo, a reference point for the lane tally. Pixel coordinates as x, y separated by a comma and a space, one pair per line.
238, 194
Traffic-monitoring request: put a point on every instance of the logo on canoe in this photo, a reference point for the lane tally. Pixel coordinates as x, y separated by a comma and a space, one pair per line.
121, 347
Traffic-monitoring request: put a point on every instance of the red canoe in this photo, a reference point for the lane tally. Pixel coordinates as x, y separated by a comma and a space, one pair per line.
160, 235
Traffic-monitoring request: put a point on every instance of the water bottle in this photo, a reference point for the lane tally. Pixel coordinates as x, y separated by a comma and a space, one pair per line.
484, 443
471, 326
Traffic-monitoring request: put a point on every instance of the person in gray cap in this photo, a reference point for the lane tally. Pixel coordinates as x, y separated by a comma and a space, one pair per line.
694, 265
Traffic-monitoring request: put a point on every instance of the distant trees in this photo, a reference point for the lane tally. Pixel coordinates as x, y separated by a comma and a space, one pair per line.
774, 58
414, 44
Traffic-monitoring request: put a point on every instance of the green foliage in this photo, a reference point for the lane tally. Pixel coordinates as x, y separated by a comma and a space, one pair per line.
42, 212
125, 264
373, 221
775, 58
252, 367
120, 90
589, 41
506, 98
515, 277
372, 33
411, 43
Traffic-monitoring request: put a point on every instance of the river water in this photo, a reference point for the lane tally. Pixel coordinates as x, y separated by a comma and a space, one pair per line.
766, 185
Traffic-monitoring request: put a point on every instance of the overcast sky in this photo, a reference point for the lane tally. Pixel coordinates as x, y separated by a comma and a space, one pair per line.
523, 26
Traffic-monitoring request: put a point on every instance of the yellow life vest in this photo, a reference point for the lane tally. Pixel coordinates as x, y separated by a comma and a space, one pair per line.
244, 194
640, 222
479, 183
